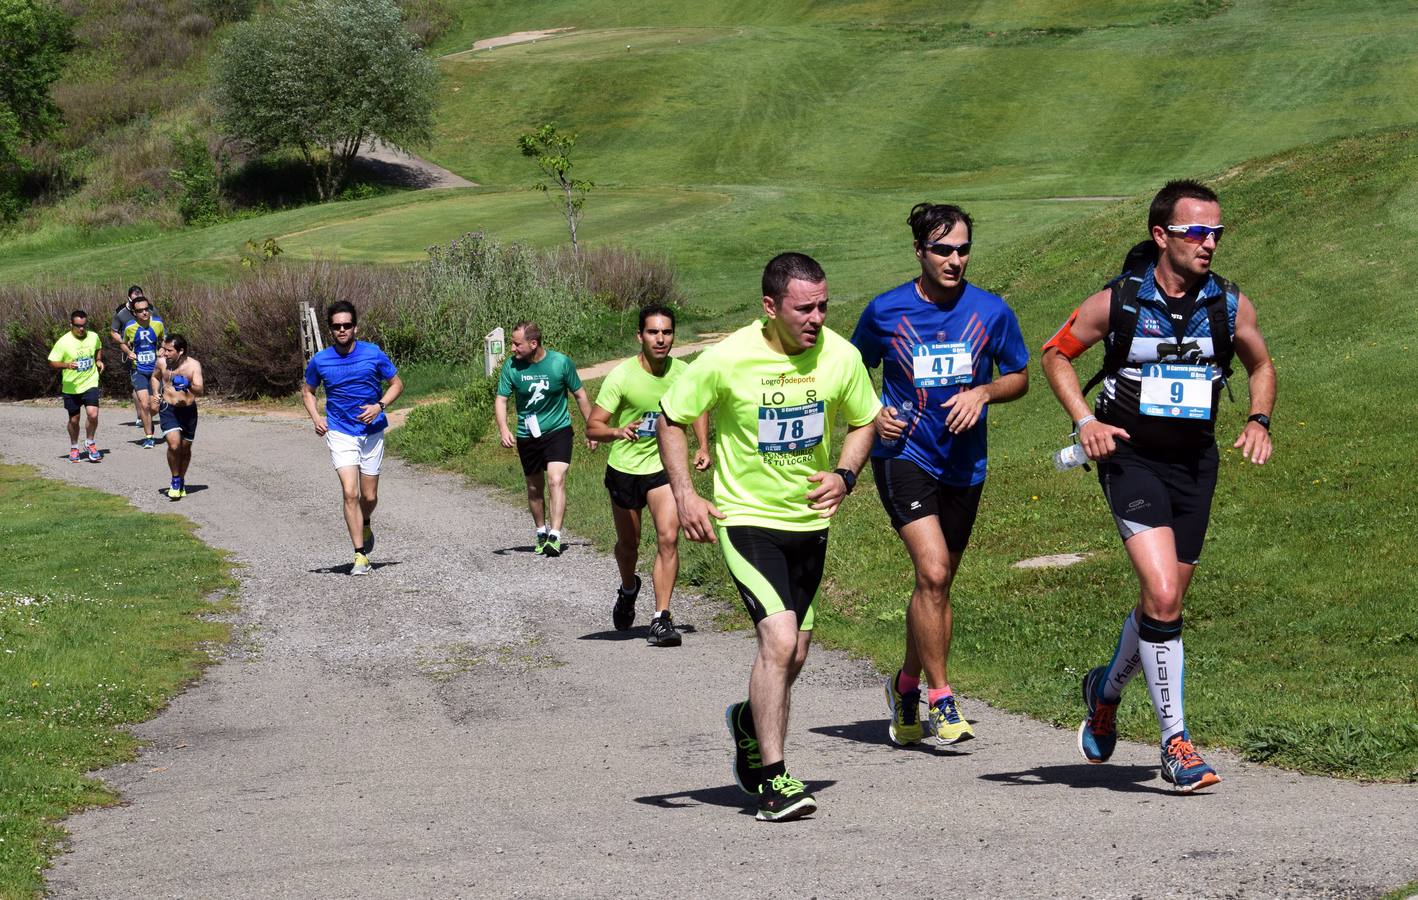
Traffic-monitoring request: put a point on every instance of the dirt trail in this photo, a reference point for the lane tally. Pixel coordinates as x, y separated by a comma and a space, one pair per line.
463, 722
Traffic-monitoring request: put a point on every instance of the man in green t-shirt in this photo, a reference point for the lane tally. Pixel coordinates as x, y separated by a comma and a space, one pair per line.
540, 379
77, 356
626, 415
773, 389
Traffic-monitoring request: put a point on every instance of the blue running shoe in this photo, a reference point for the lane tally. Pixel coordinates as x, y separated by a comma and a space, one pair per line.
945, 723
1098, 735
1183, 768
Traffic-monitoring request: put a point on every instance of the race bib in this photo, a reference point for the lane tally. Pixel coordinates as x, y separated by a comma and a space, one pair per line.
649, 425
534, 428
146, 357
943, 364
790, 429
1176, 392
83, 365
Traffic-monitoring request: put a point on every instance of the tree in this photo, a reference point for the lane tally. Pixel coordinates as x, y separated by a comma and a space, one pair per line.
323, 77
552, 151
33, 40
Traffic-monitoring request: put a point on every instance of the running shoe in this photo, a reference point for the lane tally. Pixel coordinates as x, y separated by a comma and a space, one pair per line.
174, 493
784, 799
361, 565
73, 454
541, 547
1098, 734
148, 442
368, 539
1183, 768
747, 758
905, 727
92, 449
663, 632
623, 615
945, 723
552, 547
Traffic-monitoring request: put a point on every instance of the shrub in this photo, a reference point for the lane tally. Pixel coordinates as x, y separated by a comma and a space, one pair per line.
196, 178
621, 279
427, 20
448, 430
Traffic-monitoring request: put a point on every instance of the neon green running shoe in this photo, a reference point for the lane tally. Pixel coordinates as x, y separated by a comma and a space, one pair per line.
945, 723
361, 565
905, 728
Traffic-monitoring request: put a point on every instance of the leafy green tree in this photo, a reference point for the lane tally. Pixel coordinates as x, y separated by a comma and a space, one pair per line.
33, 40
552, 151
323, 77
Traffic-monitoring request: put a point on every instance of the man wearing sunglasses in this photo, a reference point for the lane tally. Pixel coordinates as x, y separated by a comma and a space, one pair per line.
354, 374
941, 340
1170, 327
140, 342
77, 356
123, 317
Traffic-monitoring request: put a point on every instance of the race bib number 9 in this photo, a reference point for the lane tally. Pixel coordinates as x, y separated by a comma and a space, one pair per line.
1176, 392
649, 425
943, 364
84, 364
790, 429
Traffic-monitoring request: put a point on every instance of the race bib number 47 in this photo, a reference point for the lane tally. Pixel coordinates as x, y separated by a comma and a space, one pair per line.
790, 429
1176, 392
942, 364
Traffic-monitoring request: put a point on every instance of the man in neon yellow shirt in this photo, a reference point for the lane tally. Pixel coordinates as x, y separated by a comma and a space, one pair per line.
77, 356
773, 389
626, 415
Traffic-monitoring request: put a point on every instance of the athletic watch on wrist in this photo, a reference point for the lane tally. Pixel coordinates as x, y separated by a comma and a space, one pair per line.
380, 404
848, 477
1260, 418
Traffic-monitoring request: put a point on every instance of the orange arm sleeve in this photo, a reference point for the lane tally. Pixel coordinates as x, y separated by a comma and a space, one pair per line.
1064, 341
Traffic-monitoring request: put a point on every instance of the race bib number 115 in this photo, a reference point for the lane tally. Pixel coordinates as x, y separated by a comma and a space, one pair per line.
790, 429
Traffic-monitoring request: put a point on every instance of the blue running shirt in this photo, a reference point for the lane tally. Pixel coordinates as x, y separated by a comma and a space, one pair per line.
351, 381
900, 325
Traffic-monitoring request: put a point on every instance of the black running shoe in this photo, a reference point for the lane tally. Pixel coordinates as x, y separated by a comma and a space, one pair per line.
368, 546
748, 760
784, 799
624, 612
663, 632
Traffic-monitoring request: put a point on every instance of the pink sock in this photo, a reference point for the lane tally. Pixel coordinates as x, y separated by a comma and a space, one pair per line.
935, 694
905, 684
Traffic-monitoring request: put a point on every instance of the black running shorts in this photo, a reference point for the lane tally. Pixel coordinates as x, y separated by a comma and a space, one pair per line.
909, 493
181, 419
536, 452
775, 571
74, 402
1149, 489
630, 491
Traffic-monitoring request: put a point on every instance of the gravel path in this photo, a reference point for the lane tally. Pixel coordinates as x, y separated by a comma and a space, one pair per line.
463, 723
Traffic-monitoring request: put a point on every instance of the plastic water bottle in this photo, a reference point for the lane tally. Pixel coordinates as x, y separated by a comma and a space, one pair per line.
1070, 457
903, 415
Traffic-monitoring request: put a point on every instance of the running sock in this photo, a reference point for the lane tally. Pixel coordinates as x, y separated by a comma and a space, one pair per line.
73, 446
905, 684
542, 532
773, 770
1126, 661
553, 535
935, 694
1160, 644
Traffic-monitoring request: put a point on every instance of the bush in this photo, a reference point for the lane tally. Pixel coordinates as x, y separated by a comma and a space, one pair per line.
448, 430
427, 20
619, 278
196, 177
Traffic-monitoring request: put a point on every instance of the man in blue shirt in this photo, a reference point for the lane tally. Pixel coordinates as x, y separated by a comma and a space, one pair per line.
353, 373
140, 341
940, 339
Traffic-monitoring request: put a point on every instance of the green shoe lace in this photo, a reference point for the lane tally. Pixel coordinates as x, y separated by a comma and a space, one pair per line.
787, 785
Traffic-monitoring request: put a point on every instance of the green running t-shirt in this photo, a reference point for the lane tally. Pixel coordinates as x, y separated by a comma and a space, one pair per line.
541, 391
82, 351
773, 418
631, 394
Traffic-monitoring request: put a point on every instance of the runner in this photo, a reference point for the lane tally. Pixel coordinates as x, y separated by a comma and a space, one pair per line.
77, 355
122, 318
354, 373
140, 341
630, 397
540, 378
176, 383
941, 338
1170, 327
773, 389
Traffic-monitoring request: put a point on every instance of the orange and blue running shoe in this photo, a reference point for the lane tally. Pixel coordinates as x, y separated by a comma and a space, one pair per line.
1098, 734
1183, 767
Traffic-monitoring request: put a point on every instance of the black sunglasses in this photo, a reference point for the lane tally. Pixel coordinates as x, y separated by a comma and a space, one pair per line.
945, 250
341, 326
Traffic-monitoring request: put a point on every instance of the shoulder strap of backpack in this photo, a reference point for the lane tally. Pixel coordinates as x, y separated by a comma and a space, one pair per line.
1223, 347
1122, 325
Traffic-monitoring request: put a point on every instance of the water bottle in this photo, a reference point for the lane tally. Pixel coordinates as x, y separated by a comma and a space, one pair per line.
903, 415
1070, 457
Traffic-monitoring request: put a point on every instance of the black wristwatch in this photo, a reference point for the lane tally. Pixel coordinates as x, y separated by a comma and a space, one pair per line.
847, 476
1262, 418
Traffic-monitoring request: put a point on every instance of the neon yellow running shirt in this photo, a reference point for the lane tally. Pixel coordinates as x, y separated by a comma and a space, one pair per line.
84, 352
773, 418
631, 394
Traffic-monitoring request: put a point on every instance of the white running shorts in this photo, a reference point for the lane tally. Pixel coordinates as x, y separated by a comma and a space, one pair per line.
346, 450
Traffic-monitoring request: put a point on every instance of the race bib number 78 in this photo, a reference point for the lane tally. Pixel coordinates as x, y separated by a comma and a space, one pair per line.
790, 429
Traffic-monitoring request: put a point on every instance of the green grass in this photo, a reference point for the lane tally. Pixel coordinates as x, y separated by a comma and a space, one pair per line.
100, 625
1302, 623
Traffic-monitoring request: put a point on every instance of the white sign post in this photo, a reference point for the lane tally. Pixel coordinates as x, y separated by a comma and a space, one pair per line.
493, 348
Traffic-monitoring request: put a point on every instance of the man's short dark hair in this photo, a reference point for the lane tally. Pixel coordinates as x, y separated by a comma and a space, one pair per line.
655, 309
1160, 213
178, 342
928, 218
134, 292
341, 306
78, 314
531, 331
148, 303
786, 267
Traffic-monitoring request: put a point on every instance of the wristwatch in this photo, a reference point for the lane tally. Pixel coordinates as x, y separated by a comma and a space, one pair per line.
1261, 418
847, 476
